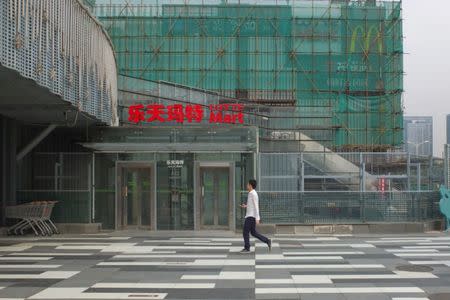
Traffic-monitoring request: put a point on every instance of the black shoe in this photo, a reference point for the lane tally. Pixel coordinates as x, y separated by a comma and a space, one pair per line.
244, 251
269, 244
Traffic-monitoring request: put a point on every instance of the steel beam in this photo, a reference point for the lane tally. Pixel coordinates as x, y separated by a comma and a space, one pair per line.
22, 153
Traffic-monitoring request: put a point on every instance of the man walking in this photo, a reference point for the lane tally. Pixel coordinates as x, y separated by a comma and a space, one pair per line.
252, 218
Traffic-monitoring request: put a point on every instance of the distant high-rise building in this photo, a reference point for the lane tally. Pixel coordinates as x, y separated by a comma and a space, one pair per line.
418, 135
448, 129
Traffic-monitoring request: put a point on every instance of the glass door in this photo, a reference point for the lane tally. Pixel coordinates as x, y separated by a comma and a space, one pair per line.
136, 192
215, 198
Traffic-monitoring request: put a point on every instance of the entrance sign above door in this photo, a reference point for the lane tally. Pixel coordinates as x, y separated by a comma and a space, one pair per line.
175, 163
179, 113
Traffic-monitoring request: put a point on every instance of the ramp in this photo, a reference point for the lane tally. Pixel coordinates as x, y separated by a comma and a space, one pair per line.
331, 162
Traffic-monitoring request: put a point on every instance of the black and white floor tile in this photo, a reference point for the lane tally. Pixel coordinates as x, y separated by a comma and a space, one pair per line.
298, 267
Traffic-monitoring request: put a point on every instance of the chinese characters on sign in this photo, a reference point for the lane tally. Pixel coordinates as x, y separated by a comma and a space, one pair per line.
175, 163
216, 113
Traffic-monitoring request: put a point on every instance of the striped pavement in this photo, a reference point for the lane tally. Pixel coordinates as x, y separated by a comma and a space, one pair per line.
146, 266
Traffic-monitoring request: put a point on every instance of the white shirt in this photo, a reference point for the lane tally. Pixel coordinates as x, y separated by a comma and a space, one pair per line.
252, 205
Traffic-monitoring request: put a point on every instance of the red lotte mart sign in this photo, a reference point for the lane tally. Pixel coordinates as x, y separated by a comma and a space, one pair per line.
216, 113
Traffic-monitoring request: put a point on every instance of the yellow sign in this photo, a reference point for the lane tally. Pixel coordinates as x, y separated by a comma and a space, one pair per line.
372, 35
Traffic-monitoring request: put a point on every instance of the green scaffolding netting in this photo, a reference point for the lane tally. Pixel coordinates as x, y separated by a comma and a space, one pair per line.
338, 63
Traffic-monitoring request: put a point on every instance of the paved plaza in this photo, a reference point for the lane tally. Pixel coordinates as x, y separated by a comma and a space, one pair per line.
139, 265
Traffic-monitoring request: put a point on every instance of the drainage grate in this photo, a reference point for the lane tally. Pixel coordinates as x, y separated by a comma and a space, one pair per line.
415, 268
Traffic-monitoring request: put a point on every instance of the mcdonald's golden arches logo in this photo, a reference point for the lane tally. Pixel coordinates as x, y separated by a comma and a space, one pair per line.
373, 35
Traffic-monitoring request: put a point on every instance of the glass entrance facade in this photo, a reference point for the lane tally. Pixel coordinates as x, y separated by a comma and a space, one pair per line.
134, 197
175, 193
214, 197
187, 187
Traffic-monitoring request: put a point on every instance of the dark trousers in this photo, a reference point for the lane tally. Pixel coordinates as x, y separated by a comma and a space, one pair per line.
250, 227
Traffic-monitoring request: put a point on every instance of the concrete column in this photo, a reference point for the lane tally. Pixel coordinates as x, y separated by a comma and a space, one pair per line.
8, 163
3, 176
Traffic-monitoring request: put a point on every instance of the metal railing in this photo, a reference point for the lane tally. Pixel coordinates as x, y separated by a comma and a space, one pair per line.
358, 171
348, 207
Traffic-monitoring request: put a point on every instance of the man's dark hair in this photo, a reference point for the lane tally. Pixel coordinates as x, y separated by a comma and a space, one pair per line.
252, 182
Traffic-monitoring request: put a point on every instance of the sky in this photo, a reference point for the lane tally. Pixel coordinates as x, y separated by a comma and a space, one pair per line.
427, 63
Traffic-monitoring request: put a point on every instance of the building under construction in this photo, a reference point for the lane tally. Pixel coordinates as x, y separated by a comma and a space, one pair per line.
155, 114
332, 70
